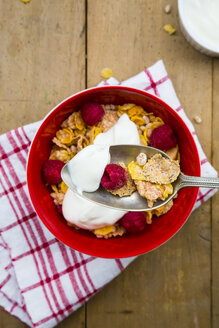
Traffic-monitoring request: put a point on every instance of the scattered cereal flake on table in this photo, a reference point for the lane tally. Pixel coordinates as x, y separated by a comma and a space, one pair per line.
106, 73
167, 9
25, 1
197, 119
169, 29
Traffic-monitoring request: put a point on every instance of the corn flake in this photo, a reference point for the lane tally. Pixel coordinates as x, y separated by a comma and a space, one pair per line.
104, 230
82, 142
145, 135
54, 188
94, 132
136, 110
161, 170
156, 119
79, 123
155, 125
138, 120
169, 29
106, 73
148, 217
158, 211
63, 187
173, 152
61, 155
168, 190
65, 136
125, 107
81, 132
71, 155
143, 140
135, 171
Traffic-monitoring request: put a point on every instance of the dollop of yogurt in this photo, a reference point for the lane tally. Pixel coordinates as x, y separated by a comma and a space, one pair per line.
202, 17
86, 176
123, 132
87, 167
87, 215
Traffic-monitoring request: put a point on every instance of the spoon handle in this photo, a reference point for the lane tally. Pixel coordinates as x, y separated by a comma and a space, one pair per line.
190, 181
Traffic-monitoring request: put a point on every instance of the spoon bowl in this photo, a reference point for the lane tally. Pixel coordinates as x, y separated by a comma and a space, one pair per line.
135, 202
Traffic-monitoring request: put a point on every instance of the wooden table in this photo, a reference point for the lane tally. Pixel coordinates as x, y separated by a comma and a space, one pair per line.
51, 49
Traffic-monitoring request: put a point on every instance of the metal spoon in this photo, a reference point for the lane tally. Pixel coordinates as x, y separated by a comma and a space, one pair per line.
126, 154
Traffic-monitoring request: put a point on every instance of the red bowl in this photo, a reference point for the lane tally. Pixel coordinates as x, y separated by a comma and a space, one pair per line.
162, 228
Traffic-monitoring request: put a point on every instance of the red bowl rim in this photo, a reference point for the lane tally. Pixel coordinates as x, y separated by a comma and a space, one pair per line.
58, 235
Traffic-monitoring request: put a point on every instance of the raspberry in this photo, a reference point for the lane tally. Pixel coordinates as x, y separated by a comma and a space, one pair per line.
114, 177
51, 171
163, 137
134, 222
92, 113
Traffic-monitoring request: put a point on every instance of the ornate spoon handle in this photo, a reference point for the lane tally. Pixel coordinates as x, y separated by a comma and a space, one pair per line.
190, 181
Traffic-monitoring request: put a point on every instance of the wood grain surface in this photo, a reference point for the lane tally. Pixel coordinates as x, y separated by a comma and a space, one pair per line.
215, 201
53, 48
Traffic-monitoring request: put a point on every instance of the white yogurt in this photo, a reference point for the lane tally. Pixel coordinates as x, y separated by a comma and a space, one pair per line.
202, 17
123, 132
87, 167
87, 176
88, 215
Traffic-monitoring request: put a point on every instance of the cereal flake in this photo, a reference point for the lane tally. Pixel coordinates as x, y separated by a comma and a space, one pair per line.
106, 73
161, 170
169, 29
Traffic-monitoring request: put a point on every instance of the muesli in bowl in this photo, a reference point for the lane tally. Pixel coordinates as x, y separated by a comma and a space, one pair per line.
112, 124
